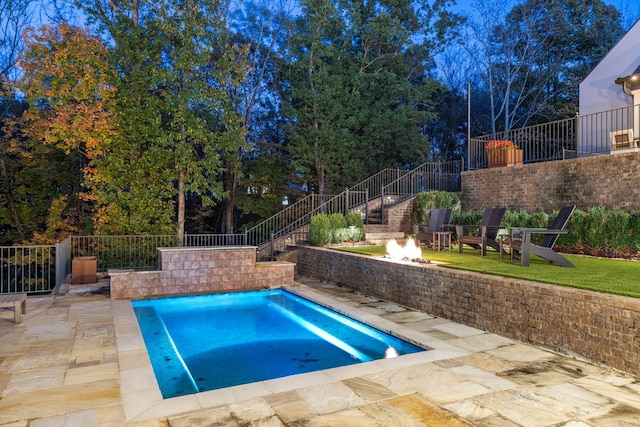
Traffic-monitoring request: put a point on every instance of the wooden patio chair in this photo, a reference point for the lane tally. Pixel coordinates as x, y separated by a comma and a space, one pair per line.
438, 219
521, 246
486, 233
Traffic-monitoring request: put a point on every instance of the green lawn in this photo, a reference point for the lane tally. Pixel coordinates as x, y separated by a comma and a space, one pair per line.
597, 274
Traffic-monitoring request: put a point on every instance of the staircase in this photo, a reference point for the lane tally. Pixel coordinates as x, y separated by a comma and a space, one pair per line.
372, 198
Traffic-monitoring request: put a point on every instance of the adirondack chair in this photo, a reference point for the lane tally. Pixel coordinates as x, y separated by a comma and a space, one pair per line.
521, 246
437, 220
486, 231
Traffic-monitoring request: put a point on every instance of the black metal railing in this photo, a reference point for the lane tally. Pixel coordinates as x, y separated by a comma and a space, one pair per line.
27, 269
581, 136
140, 252
441, 176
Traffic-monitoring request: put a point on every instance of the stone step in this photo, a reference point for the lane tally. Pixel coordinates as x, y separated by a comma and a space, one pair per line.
381, 237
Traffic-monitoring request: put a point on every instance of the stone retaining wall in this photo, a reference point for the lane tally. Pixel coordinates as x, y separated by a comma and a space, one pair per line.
201, 270
599, 327
609, 181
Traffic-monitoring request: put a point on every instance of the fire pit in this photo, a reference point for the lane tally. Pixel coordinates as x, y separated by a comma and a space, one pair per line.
410, 252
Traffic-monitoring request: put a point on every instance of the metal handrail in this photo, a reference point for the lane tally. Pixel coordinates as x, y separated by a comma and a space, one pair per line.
358, 197
443, 176
140, 251
262, 232
355, 198
580, 136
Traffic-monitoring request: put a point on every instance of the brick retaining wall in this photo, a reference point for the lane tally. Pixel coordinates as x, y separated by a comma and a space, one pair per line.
398, 217
599, 327
609, 181
201, 270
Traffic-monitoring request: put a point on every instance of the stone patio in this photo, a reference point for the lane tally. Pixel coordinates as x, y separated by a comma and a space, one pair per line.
79, 360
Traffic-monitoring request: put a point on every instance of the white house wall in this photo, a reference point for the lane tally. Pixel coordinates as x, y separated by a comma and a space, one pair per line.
599, 92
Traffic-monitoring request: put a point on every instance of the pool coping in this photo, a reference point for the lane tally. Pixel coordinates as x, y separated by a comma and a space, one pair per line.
142, 399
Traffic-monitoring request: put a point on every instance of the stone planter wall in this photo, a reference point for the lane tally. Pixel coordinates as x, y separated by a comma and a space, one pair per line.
201, 270
599, 327
608, 181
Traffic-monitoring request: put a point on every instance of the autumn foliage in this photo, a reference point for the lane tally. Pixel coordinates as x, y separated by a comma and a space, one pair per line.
66, 81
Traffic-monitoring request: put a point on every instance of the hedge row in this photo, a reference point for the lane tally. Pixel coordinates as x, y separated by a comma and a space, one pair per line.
596, 228
428, 200
335, 228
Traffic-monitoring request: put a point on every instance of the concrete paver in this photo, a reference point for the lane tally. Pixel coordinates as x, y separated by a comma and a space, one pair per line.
79, 360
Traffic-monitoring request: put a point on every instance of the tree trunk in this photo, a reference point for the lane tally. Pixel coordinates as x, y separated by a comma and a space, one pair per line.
321, 175
230, 202
181, 206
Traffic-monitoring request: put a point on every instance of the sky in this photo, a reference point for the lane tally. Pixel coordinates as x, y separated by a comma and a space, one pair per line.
630, 9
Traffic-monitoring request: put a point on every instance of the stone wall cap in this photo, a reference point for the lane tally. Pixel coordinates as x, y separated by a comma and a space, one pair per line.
203, 248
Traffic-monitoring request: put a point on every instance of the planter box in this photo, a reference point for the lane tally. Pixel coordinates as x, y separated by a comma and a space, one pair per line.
84, 270
502, 158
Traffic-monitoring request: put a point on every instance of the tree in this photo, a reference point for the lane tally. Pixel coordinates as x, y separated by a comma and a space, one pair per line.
12, 218
175, 65
15, 17
258, 181
358, 86
65, 80
533, 61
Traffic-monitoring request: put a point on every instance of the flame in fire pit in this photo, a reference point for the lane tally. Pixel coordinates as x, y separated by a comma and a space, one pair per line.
409, 252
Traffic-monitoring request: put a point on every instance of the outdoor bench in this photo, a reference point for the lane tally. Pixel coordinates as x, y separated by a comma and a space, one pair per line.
15, 301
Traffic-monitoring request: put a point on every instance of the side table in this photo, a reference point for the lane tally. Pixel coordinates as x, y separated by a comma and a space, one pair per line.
441, 240
504, 240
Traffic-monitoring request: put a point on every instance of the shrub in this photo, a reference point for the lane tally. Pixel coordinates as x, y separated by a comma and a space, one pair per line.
325, 229
465, 218
320, 230
353, 218
617, 230
596, 228
575, 227
515, 218
337, 222
541, 220
634, 225
593, 226
427, 200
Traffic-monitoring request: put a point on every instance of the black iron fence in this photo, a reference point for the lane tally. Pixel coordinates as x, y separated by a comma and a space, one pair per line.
581, 136
441, 176
140, 252
27, 269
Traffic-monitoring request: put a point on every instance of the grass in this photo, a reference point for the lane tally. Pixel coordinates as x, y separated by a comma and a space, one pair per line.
597, 274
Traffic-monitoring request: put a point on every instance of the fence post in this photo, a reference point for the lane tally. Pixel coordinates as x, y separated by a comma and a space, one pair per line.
58, 263
366, 205
382, 205
346, 201
62, 261
272, 244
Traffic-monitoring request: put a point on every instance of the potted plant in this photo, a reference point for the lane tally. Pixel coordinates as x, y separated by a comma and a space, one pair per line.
503, 152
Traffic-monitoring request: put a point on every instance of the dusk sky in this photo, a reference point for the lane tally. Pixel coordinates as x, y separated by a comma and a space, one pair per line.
630, 9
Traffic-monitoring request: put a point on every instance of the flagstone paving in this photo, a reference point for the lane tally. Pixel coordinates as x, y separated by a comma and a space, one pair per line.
79, 360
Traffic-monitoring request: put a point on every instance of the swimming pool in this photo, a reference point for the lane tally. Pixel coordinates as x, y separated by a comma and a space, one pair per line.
207, 342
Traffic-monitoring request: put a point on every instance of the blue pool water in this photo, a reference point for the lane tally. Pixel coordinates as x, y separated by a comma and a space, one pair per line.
207, 342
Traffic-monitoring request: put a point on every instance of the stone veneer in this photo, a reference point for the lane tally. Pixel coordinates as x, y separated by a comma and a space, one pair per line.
600, 327
609, 181
201, 270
